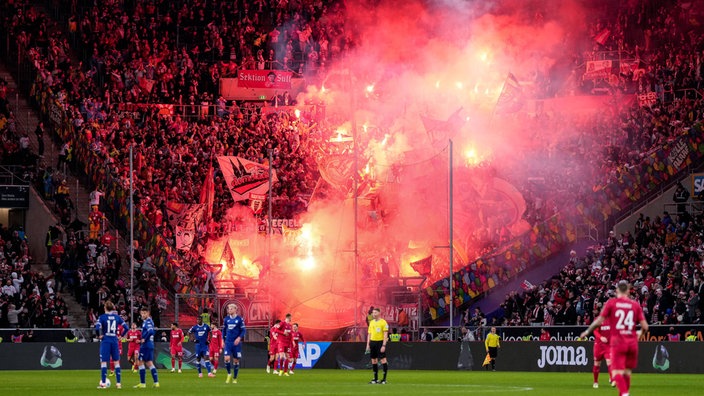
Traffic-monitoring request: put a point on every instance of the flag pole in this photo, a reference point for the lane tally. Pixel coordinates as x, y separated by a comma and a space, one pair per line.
131, 237
268, 232
451, 236
356, 203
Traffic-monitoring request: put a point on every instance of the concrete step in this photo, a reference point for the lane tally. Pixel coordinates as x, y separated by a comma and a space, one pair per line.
27, 121
76, 313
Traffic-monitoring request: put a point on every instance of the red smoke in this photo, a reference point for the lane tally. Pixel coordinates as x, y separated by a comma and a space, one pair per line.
445, 61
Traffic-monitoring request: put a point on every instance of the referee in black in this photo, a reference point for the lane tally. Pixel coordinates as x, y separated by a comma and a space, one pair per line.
377, 337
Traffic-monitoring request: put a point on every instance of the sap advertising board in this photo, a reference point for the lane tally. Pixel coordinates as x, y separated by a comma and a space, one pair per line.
310, 352
698, 185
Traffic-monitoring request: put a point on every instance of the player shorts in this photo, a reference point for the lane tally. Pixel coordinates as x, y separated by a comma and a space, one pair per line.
601, 352
177, 351
493, 352
624, 356
375, 350
108, 351
202, 352
146, 354
283, 348
294, 352
273, 345
233, 350
132, 349
214, 352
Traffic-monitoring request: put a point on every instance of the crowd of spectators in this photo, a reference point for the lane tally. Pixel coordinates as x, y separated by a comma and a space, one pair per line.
667, 46
172, 153
87, 268
664, 38
173, 52
28, 298
663, 258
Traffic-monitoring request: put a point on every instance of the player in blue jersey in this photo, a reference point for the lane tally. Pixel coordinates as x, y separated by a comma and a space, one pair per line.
200, 334
233, 333
146, 350
110, 327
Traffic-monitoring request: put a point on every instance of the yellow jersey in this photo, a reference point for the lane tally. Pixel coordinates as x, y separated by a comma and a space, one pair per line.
492, 340
377, 328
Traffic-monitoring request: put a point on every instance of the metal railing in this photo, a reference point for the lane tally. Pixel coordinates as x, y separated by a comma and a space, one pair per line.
587, 231
693, 208
653, 194
13, 175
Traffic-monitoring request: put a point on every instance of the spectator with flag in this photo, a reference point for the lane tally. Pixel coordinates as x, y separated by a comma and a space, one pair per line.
511, 97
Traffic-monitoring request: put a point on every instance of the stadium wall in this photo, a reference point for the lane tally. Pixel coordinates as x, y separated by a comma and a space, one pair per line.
654, 357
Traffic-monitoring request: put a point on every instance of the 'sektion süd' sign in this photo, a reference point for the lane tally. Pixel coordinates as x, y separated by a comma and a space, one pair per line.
264, 79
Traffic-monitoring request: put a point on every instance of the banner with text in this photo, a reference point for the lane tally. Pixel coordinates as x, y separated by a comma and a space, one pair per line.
598, 69
185, 219
647, 99
244, 177
264, 79
571, 333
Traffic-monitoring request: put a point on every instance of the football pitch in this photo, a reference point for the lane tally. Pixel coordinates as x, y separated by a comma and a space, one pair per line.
346, 382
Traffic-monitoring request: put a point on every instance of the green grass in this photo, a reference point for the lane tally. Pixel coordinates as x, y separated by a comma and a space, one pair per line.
341, 382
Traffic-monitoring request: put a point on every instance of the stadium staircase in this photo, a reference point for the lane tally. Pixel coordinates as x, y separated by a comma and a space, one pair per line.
27, 120
79, 184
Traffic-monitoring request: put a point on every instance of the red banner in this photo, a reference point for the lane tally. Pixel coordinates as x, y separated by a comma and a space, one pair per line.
423, 266
254, 312
598, 69
264, 79
245, 177
647, 99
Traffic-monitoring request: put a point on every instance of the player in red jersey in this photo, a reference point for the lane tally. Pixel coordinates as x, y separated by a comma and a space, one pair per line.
216, 344
134, 339
272, 346
602, 351
623, 315
283, 345
176, 347
296, 339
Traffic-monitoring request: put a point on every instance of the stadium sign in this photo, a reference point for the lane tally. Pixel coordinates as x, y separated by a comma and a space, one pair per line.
654, 357
264, 79
698, 185
571, 333
14, 196
310, 352
560, 355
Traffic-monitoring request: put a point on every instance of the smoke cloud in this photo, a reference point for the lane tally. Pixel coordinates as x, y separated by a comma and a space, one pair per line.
417, 64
